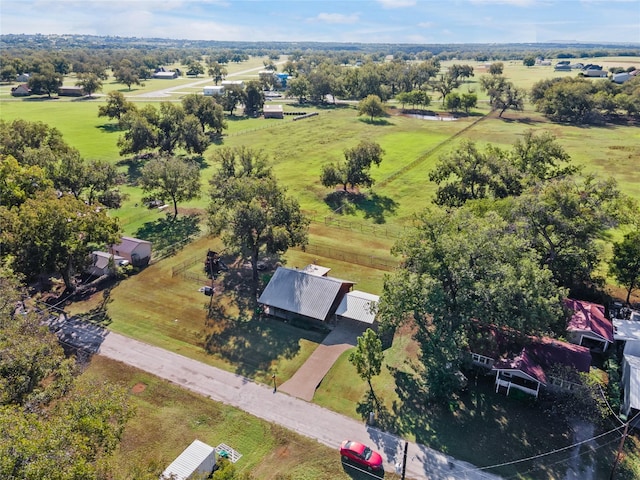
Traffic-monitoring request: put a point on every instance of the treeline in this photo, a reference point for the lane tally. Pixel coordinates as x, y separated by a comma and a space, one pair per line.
476, 51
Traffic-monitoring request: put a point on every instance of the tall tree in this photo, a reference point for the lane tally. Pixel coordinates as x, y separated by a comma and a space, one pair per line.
355, 170
217, 72
625, 264
233, 96
46, 81
50, 234
206, 110
89, 82
503, 94
541, 158
117, 106
254, 100
171, 177
371, 106
126, 74
19, 182
458, 267
251, 212
298, 88
367, 357
563, 220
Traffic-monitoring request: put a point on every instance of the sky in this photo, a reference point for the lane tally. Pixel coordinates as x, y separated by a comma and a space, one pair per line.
360, 21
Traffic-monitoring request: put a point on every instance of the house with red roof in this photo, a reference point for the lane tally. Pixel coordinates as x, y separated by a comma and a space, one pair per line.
588, 325
535, 365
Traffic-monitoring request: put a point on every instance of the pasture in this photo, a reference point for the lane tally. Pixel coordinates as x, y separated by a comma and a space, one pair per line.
165, 308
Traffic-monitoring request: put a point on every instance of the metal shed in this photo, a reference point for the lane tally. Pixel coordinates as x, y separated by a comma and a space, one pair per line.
194, 463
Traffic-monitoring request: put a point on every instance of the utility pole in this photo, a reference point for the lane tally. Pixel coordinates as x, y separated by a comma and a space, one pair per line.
404, 459
619, 452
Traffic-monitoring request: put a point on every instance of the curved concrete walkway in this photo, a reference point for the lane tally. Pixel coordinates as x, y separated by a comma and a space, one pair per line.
306, 380
310, 420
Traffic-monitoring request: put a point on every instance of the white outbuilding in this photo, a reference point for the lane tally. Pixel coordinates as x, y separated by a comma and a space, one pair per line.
195, 463
213, 90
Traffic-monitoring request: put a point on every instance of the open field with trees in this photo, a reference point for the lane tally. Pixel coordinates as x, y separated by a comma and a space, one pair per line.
354, 222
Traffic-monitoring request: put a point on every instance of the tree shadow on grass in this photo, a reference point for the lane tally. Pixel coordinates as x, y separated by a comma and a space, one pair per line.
374, 206
134, 166
385, 419
249, 339
377, 121
167, 232
109, 127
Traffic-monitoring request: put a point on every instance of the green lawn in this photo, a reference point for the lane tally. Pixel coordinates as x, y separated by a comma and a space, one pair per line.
165, 310
168, 418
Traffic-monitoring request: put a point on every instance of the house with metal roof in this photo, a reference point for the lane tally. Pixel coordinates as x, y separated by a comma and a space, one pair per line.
297, 294
135, 250
588, 325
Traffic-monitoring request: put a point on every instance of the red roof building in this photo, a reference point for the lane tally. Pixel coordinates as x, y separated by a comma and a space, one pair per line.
588, 325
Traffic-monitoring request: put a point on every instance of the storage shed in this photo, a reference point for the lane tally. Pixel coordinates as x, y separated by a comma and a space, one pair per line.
136, 251
273, 111
195, 463
213, 90
358, 306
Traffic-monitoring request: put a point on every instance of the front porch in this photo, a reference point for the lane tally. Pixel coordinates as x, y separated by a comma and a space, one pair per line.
508, 380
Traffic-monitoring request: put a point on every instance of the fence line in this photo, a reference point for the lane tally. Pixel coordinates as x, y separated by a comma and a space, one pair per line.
351, 257
180, 268
430, 152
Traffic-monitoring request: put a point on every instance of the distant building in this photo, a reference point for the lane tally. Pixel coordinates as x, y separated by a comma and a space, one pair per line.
71, 92
136, 251
273, 111
213, 90
232, 83
165, 75
21, 91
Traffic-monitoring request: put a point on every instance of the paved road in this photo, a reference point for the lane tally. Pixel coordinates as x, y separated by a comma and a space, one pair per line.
166, 92
303, 417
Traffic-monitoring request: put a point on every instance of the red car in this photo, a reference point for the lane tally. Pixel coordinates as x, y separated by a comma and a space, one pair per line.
361, 454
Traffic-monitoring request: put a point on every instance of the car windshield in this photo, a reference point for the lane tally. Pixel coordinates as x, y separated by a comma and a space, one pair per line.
366, 454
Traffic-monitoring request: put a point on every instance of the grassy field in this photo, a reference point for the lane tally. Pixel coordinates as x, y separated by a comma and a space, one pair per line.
167, 310
169, 418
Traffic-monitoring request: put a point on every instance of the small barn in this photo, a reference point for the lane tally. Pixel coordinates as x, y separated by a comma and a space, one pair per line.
296, 294
136, 251
588, 325
165, 75
104, 263
213, 90
21, 91
273, 111
71, 92
196, 462
23, 77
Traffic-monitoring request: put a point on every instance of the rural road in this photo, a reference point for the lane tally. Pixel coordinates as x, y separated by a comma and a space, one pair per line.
303, 417
166, 92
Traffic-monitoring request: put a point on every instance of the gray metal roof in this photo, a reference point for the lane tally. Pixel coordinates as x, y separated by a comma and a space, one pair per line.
357, 305
302, 293
196, 458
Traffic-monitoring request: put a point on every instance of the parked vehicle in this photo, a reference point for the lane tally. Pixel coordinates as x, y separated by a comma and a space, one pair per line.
360, 454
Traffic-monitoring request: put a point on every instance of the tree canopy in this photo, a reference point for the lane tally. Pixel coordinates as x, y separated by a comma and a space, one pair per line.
625, 264
459, 267
172, 178
355, 170
251, 212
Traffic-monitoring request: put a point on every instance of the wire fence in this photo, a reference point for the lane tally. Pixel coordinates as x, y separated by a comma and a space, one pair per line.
370, 261
355, 226
430, 152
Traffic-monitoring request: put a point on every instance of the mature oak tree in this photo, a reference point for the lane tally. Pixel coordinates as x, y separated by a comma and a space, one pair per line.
458, 267
49, 234
503, 94
355, 170
251, 212
625, 264
171, 177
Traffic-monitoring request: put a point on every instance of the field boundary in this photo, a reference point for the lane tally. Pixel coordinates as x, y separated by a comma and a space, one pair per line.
429, 152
